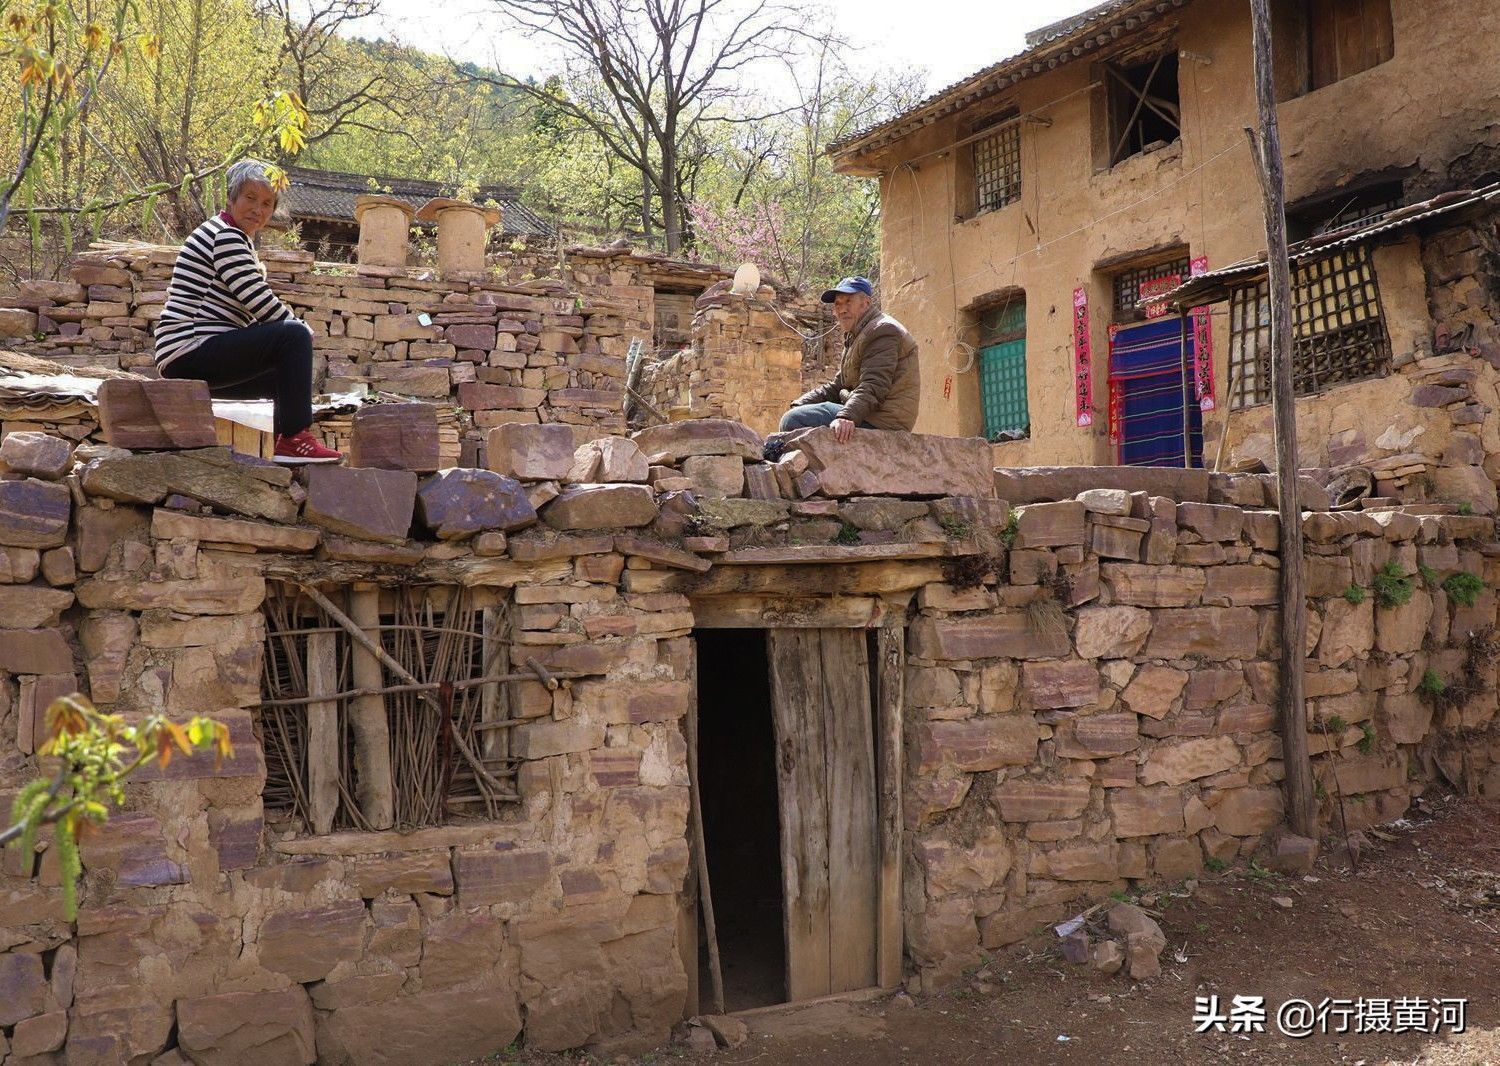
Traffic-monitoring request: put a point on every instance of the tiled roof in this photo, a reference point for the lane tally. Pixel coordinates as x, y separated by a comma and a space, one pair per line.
1047, 48
330, 195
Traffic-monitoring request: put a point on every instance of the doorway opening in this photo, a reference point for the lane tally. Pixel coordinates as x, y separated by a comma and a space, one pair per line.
741, 828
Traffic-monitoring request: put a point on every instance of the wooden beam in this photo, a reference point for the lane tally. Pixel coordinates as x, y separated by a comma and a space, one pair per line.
831, 580
853, 848
889, 698
322, 731
374, 788
785, 612
1301, 804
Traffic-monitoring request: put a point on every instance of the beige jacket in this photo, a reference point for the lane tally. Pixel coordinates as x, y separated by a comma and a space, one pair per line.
878, 380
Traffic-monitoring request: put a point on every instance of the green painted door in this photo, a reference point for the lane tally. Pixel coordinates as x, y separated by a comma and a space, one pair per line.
1002, 372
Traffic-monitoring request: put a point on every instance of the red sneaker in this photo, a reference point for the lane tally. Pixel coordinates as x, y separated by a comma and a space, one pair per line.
303, 448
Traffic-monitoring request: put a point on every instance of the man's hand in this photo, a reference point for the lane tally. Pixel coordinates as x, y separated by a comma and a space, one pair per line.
843, 430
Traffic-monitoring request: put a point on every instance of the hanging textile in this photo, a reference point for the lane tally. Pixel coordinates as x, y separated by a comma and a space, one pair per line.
1083, 362
1203, 346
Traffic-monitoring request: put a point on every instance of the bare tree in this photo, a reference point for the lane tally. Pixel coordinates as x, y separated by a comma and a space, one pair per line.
652, 74
313, 61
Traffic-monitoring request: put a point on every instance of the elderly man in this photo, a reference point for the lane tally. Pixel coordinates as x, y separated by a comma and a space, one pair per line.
222, 324
878, 385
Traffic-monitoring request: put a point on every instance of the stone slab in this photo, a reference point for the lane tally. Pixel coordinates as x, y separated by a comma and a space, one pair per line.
601, 507
163, 413
34, 513
530, 451
396, 436
1041, 484
34, 454
700, 436
880, 463
175, 525
457, 504
363, 503
209, 475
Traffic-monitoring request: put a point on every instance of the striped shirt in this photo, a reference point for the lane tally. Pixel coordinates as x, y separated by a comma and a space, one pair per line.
217, 285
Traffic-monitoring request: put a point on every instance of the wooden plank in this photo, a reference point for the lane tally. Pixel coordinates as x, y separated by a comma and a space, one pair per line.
784, 612
322, 732
802, 800
494, 700
372, 736
890, 678
833, 580
687, 940
853, 854
1322, 43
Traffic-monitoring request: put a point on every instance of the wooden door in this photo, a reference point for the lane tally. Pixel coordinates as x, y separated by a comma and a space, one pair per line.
825, 767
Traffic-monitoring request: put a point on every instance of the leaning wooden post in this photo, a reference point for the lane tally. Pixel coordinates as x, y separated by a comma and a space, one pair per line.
1301, 809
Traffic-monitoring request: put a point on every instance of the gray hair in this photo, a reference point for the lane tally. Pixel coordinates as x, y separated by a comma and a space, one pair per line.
245, 171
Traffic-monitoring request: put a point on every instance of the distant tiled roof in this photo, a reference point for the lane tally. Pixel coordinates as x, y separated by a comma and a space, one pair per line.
1047, 48
328, 194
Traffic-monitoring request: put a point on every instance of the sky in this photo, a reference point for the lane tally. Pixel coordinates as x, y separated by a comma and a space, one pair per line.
950, 39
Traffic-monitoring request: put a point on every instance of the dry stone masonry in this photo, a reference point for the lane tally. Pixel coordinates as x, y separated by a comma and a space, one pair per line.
1090, 703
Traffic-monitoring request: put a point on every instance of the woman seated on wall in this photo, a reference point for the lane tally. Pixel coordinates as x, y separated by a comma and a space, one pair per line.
222, 324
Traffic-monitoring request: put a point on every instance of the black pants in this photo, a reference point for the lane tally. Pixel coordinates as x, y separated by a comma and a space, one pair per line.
270, 361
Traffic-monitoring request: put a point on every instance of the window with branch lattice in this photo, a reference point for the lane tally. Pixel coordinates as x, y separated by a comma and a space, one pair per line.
1338, 330
351, 743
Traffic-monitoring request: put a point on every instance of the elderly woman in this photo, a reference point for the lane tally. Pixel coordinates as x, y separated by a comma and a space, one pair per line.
222, 324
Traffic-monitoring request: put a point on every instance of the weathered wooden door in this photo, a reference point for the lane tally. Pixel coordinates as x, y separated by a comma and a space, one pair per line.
825, 766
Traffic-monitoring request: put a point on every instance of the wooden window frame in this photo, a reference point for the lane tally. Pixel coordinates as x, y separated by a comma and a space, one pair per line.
1125, 283
1334, 51
1338, 328
332, 713
1126, 105
970, 155
993, 334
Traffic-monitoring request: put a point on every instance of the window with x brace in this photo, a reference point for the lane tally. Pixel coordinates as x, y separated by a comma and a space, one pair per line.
1145, 106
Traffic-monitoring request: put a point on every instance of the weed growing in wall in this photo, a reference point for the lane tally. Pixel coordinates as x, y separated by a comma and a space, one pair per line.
1393, 586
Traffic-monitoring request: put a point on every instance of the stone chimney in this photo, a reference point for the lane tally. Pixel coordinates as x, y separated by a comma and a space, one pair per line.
462, 230
383, 225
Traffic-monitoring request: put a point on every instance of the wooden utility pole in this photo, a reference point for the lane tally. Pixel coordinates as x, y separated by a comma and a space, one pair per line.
1301, 808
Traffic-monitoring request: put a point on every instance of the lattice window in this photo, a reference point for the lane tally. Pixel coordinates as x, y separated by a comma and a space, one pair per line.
350, 743
1002, 372
997, 168
1127, 285
1339, 332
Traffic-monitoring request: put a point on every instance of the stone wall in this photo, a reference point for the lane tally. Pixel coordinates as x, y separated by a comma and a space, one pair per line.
744, 364
1090, 694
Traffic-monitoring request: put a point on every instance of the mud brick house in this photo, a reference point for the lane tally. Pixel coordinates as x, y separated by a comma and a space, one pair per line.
1033, 214
500, 733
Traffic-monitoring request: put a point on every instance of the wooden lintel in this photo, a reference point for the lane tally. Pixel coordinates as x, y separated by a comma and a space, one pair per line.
866, 578
788, 612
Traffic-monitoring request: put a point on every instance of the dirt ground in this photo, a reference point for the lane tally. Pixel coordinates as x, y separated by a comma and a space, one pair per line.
1419, 918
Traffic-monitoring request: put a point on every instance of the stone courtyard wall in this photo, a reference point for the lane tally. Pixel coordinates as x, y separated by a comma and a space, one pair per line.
1089, 704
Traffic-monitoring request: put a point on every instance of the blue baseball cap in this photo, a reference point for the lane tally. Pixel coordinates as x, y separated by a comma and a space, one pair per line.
854, 284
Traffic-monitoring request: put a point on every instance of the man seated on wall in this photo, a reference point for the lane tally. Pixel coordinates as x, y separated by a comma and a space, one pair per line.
877, 386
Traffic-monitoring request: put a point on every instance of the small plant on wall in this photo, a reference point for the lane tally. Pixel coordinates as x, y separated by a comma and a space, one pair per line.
1393, 586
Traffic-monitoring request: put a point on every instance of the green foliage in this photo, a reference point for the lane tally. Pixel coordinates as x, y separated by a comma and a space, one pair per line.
1393, 586
1215, 864
1466, 508
1011, 528
95, 753
1429, 575
1431, 684
1464, 588
1336, 724
1355, 594
1367, 741
848, 533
